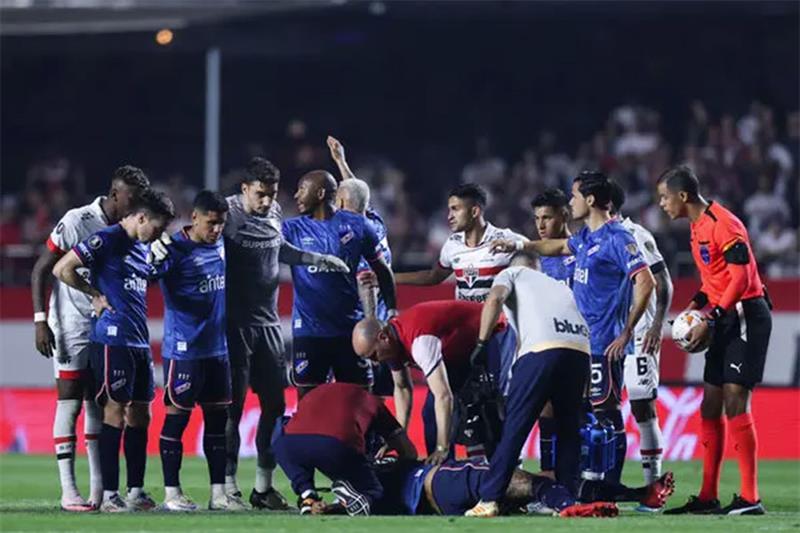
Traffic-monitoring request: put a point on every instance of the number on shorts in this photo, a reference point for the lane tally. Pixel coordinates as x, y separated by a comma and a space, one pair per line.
641, 365
597, 373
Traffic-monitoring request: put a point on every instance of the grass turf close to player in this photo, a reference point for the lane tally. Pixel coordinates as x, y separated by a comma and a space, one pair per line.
29, 502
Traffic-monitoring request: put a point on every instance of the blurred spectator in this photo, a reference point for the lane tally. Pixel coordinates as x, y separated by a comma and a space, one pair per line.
764, 205
777, 249
487, 169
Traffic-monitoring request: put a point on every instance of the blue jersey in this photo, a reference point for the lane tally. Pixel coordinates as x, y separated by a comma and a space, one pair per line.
326, 304
605, 262
120, 272
560, 268
193, 283
380, 230
403, 487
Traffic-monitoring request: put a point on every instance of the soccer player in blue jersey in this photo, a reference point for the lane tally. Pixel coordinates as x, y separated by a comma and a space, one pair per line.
326, 304
116, 258
197, 370
551, 215
353, 195
612, 286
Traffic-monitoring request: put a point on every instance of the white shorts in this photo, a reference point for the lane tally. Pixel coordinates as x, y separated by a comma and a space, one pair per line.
642, 373
71, 355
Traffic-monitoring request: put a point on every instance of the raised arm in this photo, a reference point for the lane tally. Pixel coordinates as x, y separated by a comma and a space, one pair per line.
546, 247
337, 153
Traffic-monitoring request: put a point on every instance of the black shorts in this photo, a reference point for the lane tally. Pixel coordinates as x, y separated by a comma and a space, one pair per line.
258, 352
122, 373
205, 381
739, 345
606, 379
316, 358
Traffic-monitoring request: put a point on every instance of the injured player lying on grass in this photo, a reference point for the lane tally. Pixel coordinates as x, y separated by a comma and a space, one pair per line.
414, 488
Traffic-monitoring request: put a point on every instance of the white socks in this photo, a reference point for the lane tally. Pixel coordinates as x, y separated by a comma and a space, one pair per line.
263, 479
92, 424
650, 446
64, 441
231, 486
218, 491
172, 492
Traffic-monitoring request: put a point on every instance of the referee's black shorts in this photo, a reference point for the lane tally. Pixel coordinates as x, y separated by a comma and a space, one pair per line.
739, 345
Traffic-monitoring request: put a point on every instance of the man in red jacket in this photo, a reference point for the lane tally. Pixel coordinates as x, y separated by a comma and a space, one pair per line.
738, 325
328, 433
439, 338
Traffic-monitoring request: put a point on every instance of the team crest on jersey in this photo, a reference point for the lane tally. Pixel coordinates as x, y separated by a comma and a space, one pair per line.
705, 254
95, 242
632, 248
471, 275
87, 216
347, 237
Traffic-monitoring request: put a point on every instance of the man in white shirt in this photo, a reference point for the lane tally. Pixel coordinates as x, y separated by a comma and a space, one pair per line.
62, 333
550, 364
467, 252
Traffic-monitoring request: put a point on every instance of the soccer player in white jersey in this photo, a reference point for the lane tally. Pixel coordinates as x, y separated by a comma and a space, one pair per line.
467, 252
551, 363
62, 333
642, 369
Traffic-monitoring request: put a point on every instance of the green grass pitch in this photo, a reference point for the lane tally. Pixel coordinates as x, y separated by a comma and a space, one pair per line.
29, 502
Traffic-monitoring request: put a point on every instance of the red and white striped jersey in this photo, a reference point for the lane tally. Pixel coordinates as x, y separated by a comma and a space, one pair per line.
476, 267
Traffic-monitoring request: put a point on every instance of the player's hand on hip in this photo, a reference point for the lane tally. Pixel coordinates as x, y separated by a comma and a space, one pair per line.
368, 279
652, 339
45, 339
616, 350
100, 304
698, 335
159, 250
332, 263
439, 456
336, 148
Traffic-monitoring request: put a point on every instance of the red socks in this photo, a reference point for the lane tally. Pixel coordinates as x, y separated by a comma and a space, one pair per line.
713, 441
745, 442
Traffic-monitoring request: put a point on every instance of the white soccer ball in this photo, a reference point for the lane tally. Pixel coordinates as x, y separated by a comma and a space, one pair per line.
681, 327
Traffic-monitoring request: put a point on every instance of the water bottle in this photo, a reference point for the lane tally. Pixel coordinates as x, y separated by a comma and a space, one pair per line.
597, 448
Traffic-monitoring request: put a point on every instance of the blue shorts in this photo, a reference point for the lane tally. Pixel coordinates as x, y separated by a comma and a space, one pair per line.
122, 374
316, 359
205, 381
606, 379
456, 485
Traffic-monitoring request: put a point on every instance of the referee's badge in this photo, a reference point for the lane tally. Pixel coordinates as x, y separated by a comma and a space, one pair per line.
705, 255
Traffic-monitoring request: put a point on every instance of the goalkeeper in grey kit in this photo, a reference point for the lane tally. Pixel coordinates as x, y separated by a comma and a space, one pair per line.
254, 246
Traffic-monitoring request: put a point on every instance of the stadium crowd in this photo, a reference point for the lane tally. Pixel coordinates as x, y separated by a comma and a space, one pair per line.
747, 161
